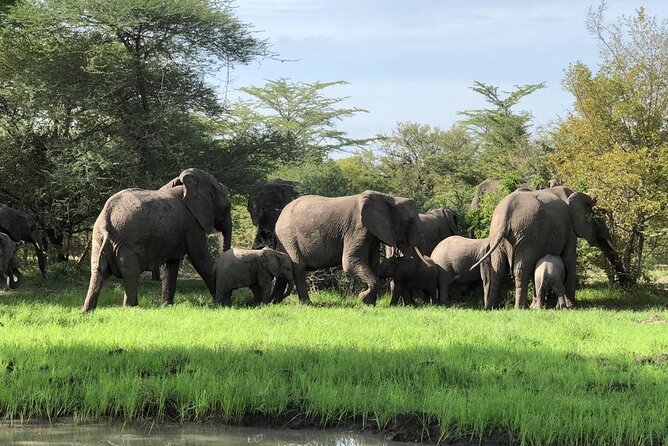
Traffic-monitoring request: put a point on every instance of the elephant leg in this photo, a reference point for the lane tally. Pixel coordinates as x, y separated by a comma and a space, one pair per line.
570, 281
443, 285
130, 283
522, 272
223, 295
169, 272
198, 253
395, 288
353, 262
408, 296
97, 278
299, 273
155, 274
493, 272
258, 297
128, 266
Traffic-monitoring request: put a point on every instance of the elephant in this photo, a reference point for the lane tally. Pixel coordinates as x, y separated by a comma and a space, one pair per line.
254, 268
320, 232
527, 225
265, 204
10, 267
454, 258
434, 226
492, 185
408, 273
139, 230
549, 281
23, 227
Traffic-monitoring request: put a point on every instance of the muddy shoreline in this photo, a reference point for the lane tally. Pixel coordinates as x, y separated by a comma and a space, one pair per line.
295, 427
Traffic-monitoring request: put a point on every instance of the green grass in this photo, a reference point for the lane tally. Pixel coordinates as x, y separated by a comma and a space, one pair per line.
597, 375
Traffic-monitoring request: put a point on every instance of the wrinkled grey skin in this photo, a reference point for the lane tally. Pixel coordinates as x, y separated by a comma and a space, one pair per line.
265, 204
549, 279
139, 230
454, 258
321, 232
434, 226
10, 268
527, 225
409, 274
253, 268
23, 227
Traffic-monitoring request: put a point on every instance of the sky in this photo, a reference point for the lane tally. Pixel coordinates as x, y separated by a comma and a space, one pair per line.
415, 60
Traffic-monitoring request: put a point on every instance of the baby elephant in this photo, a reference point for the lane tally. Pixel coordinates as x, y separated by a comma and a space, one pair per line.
409, 274
253, 268
454, 257
9, 264
549, 280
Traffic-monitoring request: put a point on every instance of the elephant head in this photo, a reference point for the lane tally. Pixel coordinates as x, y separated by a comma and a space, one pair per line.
265, 204
9, 264
279, 265
399, 267
393, 220
23, 227
208, 201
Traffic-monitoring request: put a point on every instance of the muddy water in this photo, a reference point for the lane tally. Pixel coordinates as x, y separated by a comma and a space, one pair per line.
178, 435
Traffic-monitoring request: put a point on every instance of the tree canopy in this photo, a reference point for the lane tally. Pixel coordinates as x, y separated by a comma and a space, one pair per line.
614, 143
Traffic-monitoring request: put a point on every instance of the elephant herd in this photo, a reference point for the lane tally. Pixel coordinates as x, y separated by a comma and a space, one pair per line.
17, 226
533, 234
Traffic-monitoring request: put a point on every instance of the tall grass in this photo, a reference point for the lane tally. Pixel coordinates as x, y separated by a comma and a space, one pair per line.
596, 375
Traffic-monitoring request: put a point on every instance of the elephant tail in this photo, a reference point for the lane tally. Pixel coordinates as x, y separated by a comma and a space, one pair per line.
493, 246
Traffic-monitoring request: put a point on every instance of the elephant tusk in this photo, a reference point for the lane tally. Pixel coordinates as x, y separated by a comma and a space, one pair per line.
424, 260
16, 279
9, 281
19, 270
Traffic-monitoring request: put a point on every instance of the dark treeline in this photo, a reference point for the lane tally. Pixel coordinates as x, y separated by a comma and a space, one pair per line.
97, 96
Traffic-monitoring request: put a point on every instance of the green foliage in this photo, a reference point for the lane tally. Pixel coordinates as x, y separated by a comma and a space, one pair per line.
434, 167
97, 96
317, 178
303, 112
504, 135
614, 144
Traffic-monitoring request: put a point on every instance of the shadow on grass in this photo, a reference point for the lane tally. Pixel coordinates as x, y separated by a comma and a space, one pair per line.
464, 391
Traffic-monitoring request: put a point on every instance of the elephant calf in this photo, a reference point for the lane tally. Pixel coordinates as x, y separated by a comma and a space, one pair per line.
549, 279
455, 256
253, 268
409, 274
9, 264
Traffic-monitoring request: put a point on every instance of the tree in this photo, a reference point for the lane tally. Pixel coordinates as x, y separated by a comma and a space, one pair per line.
302, 111
614, 142
505, 135
435, 167
96, 96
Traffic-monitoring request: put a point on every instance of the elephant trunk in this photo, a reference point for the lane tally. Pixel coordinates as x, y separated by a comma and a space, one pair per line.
226, 232
41, 258
621, 276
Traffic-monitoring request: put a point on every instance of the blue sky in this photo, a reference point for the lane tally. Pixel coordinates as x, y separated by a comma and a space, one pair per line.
415, 60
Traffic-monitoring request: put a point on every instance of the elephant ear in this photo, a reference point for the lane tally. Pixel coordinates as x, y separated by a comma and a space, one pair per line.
376, 216
271, 262
580, 209
198, 197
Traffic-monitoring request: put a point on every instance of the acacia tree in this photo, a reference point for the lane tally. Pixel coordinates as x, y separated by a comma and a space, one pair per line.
614, 142
504, 135
302, 111
98, 95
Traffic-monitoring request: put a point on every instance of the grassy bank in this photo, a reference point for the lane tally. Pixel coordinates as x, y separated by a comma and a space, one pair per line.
598, 375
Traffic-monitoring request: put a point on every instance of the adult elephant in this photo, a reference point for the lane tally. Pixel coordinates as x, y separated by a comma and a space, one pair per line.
527, 225
139, 230
265, 204
23, 227
320, 232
